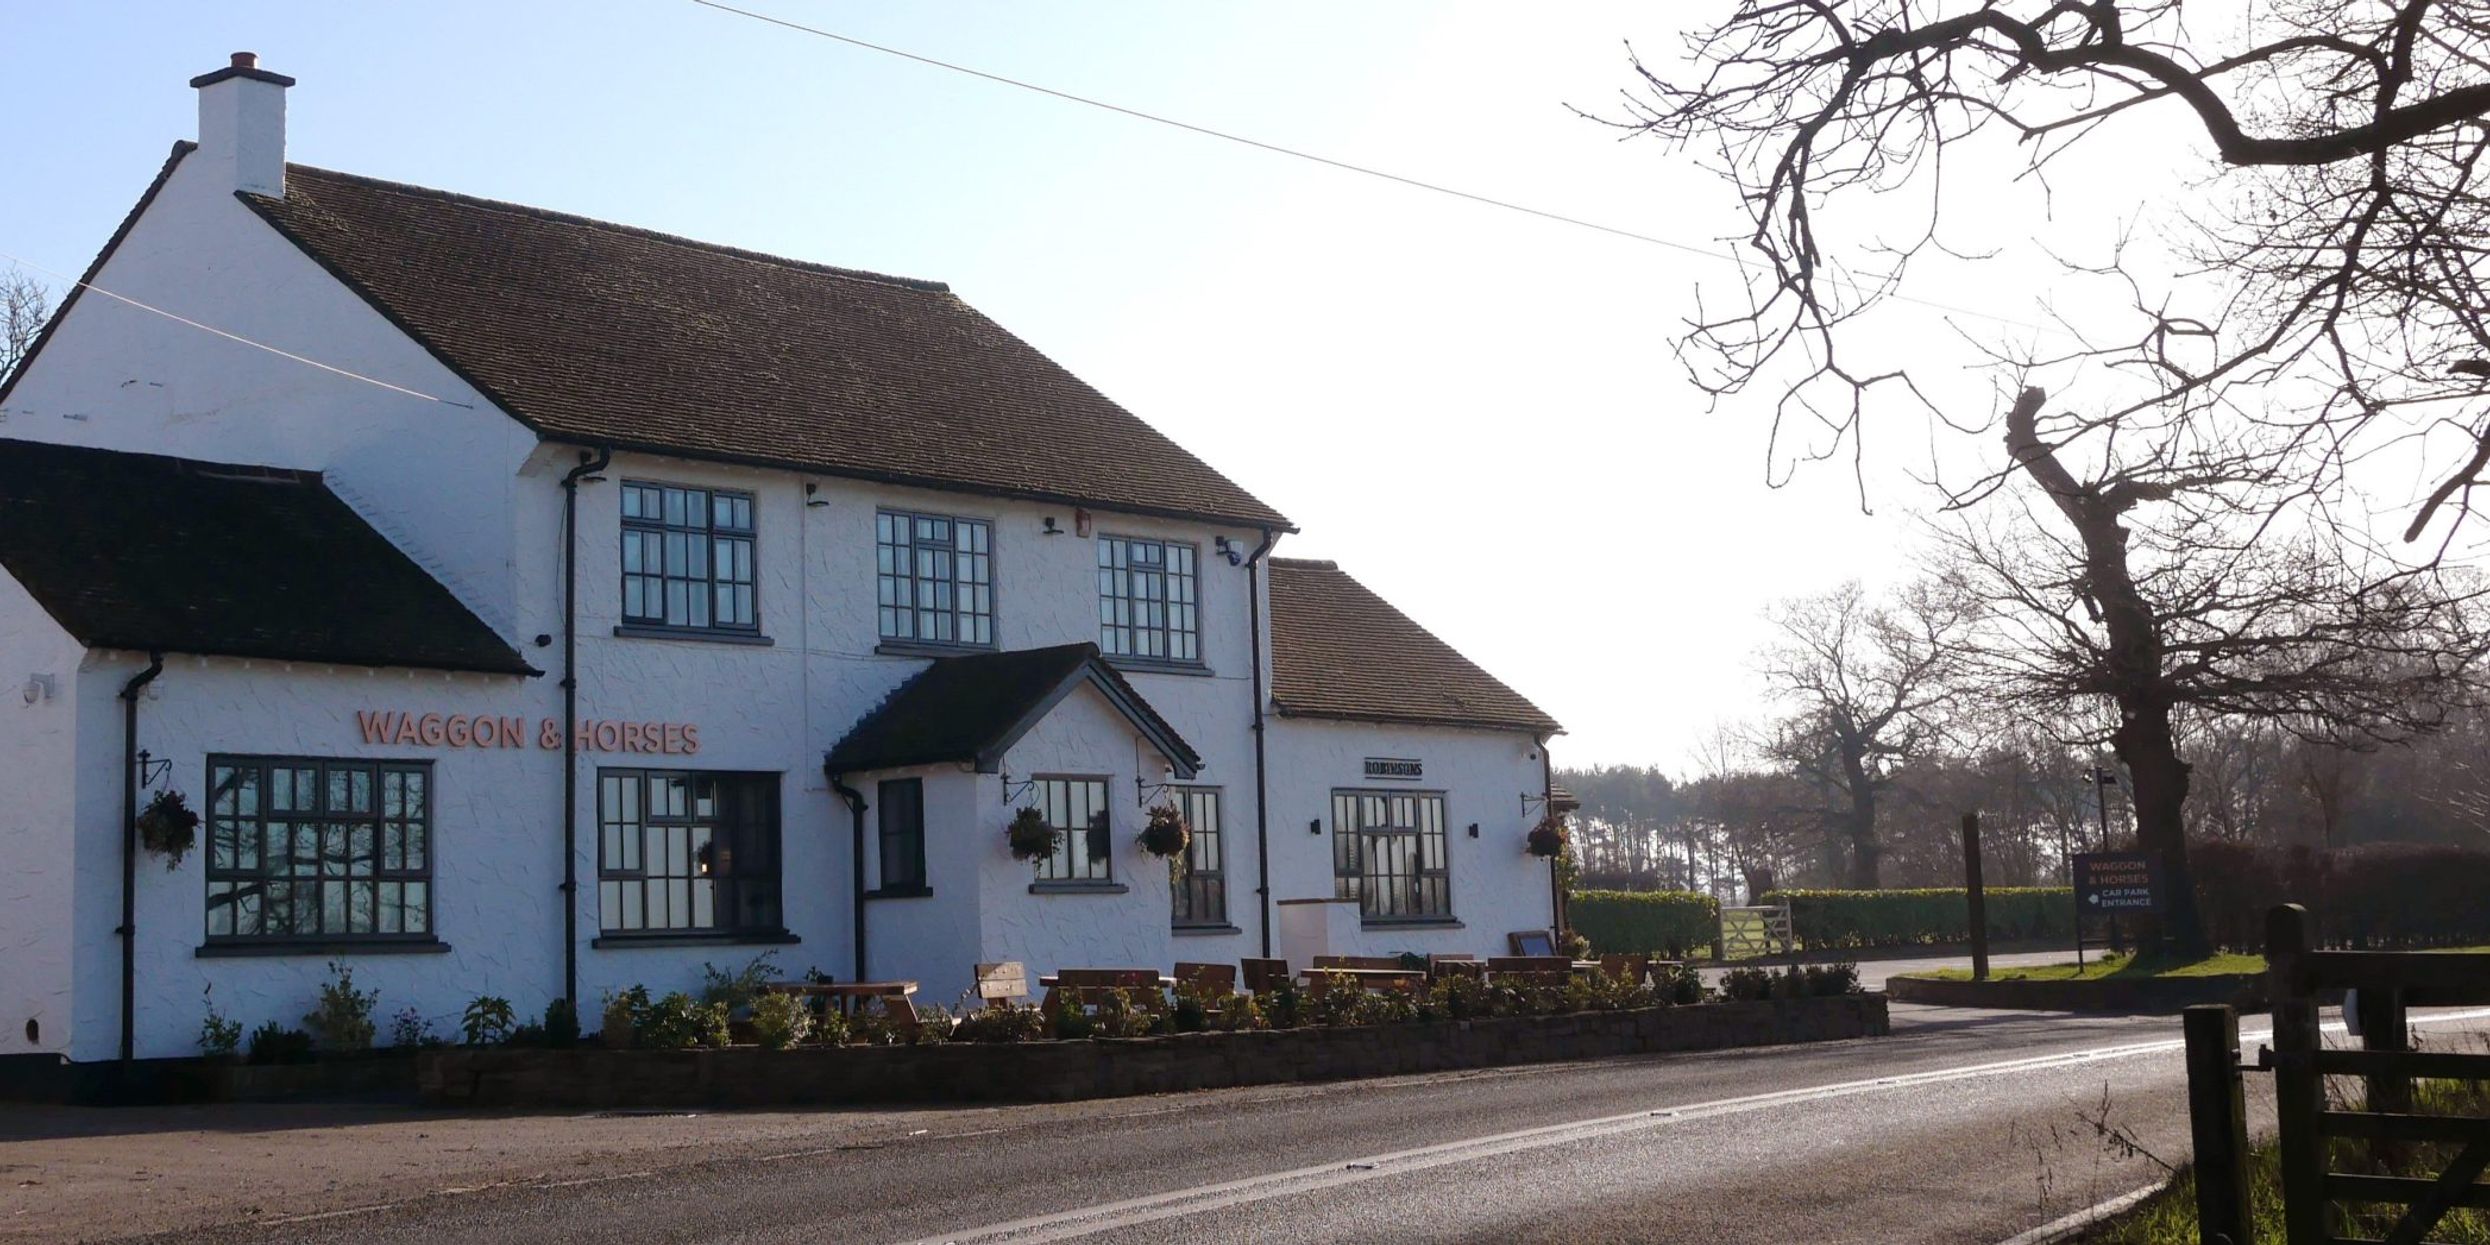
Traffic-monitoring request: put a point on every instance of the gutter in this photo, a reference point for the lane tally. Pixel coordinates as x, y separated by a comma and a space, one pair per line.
129, 851
855, 801
1262, 768
589, 464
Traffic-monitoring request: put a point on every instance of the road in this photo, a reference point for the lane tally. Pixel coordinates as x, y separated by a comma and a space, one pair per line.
1962, 1127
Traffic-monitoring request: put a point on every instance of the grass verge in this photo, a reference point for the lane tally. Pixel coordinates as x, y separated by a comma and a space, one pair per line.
2123, 967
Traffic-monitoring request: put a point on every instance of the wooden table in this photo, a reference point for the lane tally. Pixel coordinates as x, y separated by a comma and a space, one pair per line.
1409, 979
847, 996
1165, 983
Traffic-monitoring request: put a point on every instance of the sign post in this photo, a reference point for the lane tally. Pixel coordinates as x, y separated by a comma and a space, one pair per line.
1977, 897
2110, 883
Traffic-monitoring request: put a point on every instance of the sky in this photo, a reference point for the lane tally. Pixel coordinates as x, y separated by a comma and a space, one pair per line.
1478, 413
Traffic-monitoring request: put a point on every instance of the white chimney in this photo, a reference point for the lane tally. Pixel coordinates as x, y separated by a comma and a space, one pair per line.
242, 125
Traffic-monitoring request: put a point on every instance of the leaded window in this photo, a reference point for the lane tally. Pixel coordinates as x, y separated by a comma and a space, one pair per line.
900, 803
1147, 603
1199, 878
685, 852
1084, 850
1389, 854
318, 850
687, 558
934, 579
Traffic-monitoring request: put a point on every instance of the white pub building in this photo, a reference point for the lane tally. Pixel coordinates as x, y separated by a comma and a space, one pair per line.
631, 603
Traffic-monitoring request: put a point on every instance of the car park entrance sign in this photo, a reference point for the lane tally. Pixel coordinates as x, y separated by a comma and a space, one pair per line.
2110, 883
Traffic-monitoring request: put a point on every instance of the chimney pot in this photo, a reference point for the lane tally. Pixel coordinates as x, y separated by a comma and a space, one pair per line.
246, 60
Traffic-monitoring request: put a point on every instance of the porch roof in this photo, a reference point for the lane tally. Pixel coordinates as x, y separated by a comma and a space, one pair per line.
970, 710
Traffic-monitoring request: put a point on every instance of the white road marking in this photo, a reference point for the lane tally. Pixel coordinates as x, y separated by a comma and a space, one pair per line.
1131, 1212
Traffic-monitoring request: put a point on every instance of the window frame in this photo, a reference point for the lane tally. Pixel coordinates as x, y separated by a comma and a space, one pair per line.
1184, 870
636, 527
1351, 854
887, 580
913, 837
347, 941
767, 823
1073, 849
1166, 603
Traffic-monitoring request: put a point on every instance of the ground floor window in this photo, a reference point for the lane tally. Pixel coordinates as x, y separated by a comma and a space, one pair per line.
314, 850
1077, 808
1199, 878
901, 805
1388, 854
687, 852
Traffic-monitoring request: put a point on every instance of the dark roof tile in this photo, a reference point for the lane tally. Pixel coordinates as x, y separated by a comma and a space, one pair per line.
606, 334
1340, 651
144, 552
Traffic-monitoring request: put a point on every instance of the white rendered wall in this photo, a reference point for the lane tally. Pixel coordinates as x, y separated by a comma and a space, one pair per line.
438, 477
39, 886
1497, 887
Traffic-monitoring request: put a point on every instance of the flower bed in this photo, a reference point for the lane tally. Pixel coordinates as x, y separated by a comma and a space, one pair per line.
1062, 1070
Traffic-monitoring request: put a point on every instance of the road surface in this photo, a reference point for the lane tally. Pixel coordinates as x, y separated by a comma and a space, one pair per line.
1962, 1127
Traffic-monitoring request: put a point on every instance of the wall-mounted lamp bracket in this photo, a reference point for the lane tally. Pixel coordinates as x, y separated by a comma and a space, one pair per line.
152, 771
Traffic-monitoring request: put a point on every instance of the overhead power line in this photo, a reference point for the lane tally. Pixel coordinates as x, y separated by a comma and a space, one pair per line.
228, 335
1344, 166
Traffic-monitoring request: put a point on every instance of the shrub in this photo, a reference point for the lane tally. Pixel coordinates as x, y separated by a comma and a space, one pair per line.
217, 1035
934, 1025
1678, 984
1071, 1021
873, 1029
1284, 1006
561, 1024
1460, 997
1904, 918
781, 1020
1190, 1014
736, 990
1668, 924
624, 1014
409, 1029
830, 1027
1238, 1013
1828, 980
680, 1022
342, 1020
1746, 985
487, 1021
274, 1043
1002, 1022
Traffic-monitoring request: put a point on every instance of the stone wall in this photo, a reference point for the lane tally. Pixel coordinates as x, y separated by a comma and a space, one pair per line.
1062, 1071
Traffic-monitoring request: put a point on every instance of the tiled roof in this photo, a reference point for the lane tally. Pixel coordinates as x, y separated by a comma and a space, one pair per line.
144, 552
1340, 651
971, 710
606, 334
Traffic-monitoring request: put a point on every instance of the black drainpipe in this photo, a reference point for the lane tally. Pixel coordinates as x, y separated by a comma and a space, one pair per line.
589, 465
1547, 803
1262, 784
855, 806
129, 852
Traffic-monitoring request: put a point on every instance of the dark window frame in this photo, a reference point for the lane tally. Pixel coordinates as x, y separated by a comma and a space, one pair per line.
416, 830
1079, 867
732, 877
906, 841
1198, 879
710, 592
1170, 620
964, 599
1424, 893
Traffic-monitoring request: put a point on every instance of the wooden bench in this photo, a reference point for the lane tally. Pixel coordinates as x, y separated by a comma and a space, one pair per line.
1320, 981
1002, 984
848, 996
1206, 981
1264, 976
1442, 966
1088, 988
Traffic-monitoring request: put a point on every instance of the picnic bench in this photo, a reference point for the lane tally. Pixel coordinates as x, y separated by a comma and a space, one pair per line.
1089, 987
1321, 980
1532, 970
848, 996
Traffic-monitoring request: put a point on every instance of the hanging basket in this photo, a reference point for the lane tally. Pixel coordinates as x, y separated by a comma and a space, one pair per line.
168, 828
1166, 835
1030, 837
1547, 839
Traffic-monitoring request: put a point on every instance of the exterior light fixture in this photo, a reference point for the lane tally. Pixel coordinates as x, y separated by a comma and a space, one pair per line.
812, 502
1051, 529
1315, 826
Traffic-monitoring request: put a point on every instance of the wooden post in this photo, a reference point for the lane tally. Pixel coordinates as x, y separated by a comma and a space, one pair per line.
2217, 1112
2299, 1091
1977, 897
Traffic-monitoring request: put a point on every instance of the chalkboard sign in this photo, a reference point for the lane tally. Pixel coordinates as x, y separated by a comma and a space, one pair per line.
2109, 883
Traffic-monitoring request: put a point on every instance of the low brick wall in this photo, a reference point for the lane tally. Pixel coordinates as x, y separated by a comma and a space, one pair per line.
1062, 1071
2143, 996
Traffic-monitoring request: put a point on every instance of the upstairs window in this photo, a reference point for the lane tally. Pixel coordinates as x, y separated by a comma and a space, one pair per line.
934, 579
687, 559
1147, 608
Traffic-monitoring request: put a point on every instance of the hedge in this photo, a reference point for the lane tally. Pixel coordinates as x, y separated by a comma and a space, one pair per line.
1845, 920
2381, 895
1672, 923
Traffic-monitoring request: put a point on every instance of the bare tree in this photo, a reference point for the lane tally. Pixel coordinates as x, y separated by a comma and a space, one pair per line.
24, 306
1863, 681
